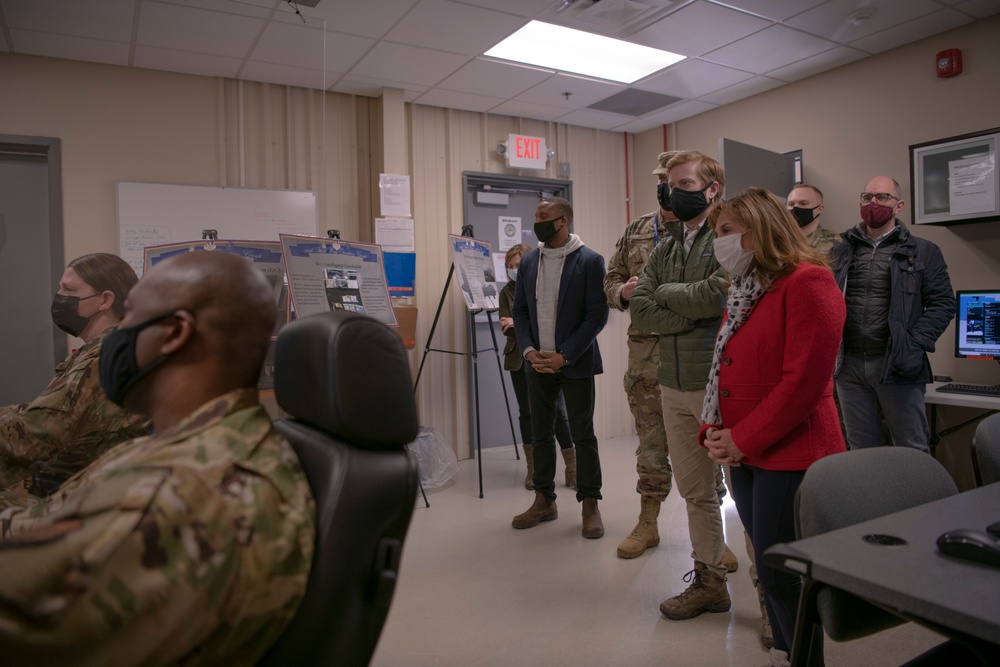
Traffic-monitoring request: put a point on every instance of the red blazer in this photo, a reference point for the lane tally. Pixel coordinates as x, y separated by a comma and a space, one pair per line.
776, 376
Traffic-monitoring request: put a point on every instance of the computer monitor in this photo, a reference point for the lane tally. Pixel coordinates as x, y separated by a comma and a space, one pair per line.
977, 330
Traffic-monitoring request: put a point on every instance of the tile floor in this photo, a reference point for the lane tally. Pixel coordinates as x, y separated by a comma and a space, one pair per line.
474, 591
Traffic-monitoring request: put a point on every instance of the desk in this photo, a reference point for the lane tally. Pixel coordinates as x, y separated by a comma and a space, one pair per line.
915, 581
934, 398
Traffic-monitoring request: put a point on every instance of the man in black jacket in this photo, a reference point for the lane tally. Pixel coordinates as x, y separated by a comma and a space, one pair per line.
899, 302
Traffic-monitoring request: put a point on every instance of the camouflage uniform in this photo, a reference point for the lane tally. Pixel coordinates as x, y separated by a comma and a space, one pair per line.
191, 546
823, 239
641, 385
68, 426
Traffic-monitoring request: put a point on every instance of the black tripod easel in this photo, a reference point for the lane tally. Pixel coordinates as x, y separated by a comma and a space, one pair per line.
474, 354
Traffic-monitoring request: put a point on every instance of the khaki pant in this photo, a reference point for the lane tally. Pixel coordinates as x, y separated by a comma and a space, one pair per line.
694, 475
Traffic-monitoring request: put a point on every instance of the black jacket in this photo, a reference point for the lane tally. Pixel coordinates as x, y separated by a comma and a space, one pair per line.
921, 303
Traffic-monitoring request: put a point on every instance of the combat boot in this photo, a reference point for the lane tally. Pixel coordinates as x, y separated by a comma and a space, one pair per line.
645, 534
729, 560
766, 635
707, 592
593, 527
777, 658
529, 461
569, 458
538, 512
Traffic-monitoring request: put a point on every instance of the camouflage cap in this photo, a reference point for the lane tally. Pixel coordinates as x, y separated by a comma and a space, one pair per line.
663, 159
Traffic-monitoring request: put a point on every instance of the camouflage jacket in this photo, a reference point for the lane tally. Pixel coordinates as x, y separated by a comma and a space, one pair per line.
190, 546
823, 239
68, 426
631, 254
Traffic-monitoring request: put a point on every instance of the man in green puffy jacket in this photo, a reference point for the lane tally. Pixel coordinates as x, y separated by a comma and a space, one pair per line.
681, 295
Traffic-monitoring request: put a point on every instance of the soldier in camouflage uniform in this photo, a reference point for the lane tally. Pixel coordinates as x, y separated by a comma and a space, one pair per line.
806, 204
193, 545
47, 440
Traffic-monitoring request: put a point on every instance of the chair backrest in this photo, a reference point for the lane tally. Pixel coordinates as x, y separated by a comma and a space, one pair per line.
855, 486
986, 450
345, 381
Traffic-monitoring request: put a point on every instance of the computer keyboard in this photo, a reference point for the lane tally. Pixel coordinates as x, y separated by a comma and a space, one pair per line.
972, 389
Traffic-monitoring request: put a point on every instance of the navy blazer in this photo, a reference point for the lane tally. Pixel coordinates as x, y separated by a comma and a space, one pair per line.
581, 312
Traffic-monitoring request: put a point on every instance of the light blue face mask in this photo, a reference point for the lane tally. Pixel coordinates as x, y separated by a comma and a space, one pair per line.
512, 274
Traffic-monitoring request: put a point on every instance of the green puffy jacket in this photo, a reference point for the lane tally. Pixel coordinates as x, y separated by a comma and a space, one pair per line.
682, 300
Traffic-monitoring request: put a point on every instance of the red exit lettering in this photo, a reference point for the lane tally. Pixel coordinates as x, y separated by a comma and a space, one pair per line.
528, 148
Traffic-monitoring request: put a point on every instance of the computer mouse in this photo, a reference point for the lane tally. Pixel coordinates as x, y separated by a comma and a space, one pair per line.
968, 544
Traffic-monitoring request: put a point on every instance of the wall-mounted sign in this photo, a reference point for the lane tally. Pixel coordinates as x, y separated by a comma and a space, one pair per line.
526, 152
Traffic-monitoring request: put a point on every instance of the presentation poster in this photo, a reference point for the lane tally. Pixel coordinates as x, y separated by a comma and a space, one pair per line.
325, 275
474, 271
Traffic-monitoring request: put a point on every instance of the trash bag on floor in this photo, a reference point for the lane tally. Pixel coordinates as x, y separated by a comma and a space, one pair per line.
437, 461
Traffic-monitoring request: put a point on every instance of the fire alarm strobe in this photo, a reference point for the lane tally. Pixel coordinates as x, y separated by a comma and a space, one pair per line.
949, 62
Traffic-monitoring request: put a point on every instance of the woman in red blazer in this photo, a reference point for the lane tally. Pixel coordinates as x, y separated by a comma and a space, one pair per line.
769, 410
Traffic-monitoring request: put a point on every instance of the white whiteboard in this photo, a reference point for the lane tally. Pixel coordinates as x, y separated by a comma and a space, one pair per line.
157, 214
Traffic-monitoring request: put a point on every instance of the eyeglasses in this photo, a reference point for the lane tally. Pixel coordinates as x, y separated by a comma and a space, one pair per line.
881, 197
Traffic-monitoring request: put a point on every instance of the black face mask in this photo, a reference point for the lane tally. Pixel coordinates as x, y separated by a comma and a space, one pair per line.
804, 215
688, 204
117, 367
546, 229
663, 196
65, 313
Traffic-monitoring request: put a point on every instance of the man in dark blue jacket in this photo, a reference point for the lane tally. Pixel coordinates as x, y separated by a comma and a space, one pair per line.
899, 302
559, 308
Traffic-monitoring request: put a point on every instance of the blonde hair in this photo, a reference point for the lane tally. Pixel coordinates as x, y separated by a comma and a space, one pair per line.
778, 244
708, 170
514, 251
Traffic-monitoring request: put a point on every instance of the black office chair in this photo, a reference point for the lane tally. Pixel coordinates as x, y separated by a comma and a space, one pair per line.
345, 381
848, 488
986, 451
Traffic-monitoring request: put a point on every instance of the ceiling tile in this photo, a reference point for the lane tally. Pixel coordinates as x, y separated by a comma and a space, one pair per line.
743, 90
454, 100
495, 78
520, 109
256, 8
819, 63
199, 30
302, 46
366, 18
369, 87
582, 91
777, 10
685, 31
769, 49
911, 31
397, 62
525, 8
600, 120
979, 8
186, 62
833, 19
47, 44
693, 78
286, 75
109, 20
637, 126
679, 112
449, 26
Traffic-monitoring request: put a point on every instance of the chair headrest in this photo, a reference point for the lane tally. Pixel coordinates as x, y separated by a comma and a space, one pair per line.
347, 375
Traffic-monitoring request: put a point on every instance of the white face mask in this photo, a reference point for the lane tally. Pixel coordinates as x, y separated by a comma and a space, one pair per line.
731, 255
512, 274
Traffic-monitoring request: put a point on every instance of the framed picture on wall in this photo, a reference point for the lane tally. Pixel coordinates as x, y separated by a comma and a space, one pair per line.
955, 180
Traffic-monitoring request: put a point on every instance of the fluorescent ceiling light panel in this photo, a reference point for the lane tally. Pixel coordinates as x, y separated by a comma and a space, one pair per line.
568, 50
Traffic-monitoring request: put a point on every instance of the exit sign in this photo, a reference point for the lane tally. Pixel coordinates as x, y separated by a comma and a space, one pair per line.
526, 152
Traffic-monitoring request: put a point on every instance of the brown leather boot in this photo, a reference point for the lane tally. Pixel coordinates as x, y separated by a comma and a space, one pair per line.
529, 460
707, 592
593, 527
645, 534
538, 512
729, 560
569, 458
